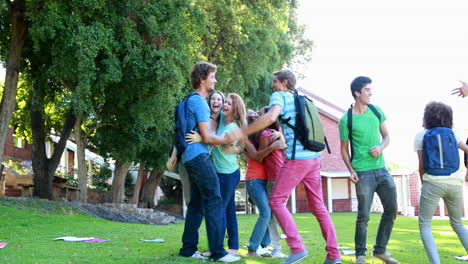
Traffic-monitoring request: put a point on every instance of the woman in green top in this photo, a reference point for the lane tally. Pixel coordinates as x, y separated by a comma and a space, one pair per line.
234, 116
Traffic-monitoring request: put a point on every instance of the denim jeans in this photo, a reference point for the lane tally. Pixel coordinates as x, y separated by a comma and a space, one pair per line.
273, 225
428, 203
205, 201
256, 188
381, 182
228, 183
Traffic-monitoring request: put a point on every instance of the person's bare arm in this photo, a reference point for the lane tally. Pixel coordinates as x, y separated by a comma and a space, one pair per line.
210, 138
259, 155
376, 151
347, 160
463, 146
421, 164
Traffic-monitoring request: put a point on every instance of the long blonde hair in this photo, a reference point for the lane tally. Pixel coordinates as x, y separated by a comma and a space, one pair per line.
240, 114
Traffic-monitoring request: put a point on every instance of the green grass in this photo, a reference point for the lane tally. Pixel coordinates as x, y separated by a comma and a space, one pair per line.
28, 226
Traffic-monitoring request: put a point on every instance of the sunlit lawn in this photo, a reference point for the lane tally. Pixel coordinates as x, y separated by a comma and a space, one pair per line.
29, 231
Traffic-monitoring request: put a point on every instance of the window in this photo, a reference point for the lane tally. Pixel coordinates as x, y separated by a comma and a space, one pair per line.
18, 142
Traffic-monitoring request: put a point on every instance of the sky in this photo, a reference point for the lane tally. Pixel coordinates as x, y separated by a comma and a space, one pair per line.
414, 51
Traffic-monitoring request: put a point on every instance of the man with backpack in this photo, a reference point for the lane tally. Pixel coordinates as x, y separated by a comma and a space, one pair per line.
194, 114
363, 130
301, 165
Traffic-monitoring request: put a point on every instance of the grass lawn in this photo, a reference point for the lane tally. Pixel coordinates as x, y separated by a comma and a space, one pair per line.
28, 226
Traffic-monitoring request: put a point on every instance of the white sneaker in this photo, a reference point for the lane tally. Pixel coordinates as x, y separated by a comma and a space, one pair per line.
198, 255
264, 252
229, 258
283, 236
278, 254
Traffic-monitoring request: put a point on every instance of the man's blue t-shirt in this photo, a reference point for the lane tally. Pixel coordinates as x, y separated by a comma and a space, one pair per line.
198, 111
285, 99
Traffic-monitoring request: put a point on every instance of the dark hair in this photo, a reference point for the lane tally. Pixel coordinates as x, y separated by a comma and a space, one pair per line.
358, 83
253, 137
437, 114
287, 75
200, 71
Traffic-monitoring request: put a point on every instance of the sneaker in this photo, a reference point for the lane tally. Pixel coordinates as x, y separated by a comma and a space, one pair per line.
278, 254
233, 252
295, 257
332, 261
385, 257
198, 255
360, 259
264, 252
228, 258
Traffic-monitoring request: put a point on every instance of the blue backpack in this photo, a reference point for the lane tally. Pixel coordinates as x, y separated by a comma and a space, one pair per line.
440, 151
180, 127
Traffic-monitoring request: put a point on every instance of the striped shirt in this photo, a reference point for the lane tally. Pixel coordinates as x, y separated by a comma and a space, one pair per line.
285, 99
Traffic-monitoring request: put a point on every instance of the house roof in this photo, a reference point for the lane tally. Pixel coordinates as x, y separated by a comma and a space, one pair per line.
324, 107
88, 154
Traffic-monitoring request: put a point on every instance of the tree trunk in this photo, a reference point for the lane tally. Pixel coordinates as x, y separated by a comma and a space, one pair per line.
2, 181
82, 172
142, 174
118, 183
149, 189
18, 32
44, 168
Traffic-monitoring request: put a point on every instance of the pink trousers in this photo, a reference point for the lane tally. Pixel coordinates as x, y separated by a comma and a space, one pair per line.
291, 174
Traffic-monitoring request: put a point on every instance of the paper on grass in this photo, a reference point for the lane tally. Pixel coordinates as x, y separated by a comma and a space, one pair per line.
156, 240
463, 258
80, 239
349, 252
73, 239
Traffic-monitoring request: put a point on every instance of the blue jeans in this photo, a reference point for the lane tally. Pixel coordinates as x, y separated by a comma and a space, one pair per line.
381, 182
228, 183
431, 193
256, 188
205, 201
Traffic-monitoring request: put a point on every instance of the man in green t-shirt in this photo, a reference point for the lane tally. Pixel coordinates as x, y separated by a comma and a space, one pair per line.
366, 165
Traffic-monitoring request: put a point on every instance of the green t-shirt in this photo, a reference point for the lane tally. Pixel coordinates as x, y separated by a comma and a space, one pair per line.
224, 163
366, 134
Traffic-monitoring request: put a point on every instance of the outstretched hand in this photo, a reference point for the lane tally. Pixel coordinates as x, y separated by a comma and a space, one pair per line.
193, 137
461, 91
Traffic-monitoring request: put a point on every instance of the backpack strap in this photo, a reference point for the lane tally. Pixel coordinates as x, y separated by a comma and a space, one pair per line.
350, 123
350, 130
374, 110
466, 156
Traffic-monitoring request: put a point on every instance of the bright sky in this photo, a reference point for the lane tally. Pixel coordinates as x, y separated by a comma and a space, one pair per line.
414, 51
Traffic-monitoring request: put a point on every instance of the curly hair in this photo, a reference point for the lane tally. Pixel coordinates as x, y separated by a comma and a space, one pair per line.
437, 114
200, 71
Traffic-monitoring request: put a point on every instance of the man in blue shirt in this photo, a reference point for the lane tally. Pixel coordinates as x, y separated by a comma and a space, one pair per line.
206, 198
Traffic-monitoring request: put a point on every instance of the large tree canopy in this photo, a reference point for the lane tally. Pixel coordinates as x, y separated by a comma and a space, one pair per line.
120, 67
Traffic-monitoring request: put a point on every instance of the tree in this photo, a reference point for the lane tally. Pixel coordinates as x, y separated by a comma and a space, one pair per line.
16, 29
